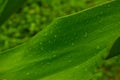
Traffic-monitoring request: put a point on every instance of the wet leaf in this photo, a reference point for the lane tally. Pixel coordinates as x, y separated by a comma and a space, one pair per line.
71, 48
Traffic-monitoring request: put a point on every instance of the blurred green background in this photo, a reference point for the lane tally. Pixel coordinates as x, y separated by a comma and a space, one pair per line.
35, 15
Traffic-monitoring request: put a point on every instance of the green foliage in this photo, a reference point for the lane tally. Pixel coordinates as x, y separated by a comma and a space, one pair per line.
71, 48
7, 7
34, 16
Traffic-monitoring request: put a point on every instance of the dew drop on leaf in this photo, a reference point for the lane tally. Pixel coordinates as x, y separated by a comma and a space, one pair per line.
86, 69
45, 34
85, 34
72, 44
77, 67
48, 63
3, 79
98, 47
27, 73
69, 61
54, 55
51, 32
56, 23
49, 41
101, 12
40, 43
108, 5
41, 48
41, 63
100, 21
55, 36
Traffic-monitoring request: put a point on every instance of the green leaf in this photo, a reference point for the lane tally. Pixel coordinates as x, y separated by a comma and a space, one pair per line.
71, 48
7, 8
2, 5
115, 49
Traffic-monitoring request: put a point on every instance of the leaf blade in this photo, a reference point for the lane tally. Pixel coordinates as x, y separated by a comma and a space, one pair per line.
69, 42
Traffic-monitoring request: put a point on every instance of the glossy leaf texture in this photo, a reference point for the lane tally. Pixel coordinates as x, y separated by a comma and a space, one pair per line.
8, 7
71, 48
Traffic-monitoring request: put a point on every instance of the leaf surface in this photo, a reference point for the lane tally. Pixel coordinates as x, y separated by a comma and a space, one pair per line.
71, 48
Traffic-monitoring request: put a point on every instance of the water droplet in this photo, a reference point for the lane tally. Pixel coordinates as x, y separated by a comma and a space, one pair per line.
48, 63
85, 34
28, 73
72, 44
45, 34
86, 69
75, 33
54, 55
51, 32
41, 63
101, 12
42, 48
55, 36
108, 5
49, 41
70, 61
29, 49
77, 67
100, 21
40, 43
56, 22
98, 47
